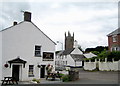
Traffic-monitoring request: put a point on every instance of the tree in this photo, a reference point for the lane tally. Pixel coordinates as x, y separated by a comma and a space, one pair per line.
98, 49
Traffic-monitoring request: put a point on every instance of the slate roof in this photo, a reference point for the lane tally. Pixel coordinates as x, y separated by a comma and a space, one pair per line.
89, 55
68, 51
116, 32
77, 57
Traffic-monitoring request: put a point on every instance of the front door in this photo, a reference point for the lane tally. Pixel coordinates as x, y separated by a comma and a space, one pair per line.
15, 72
42, 74
82, 63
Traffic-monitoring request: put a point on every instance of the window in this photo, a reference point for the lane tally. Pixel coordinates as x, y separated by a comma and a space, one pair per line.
66, 56
66, 62
31, 70
114, 38
37, 51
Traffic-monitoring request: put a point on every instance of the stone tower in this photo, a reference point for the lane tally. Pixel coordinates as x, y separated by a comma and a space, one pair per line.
69, 41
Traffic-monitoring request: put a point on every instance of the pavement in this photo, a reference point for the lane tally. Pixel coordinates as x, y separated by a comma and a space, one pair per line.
86, 77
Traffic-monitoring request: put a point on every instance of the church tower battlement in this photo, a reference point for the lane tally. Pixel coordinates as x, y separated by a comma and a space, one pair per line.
69, 41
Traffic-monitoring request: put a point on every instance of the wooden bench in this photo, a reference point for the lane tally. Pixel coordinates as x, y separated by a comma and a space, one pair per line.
9, 81
53, 76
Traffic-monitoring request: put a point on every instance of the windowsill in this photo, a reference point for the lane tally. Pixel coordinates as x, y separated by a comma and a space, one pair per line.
48, 59
114, 41
30, 75
37, 56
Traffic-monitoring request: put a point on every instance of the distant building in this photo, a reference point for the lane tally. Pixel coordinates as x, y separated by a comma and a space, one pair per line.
26, 51
69, 41
72, 57
114, 40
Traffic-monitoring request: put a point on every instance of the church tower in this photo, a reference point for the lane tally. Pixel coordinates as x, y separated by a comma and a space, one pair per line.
69, 41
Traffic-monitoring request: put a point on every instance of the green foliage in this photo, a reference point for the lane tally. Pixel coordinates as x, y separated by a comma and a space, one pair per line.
115, 55
98, 49
90, 59
86, 59
105, 54
95, 52
36, 80
102, 55
66, 78
60, 74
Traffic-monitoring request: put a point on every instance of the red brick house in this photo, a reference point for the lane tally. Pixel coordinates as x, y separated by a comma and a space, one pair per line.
114, 40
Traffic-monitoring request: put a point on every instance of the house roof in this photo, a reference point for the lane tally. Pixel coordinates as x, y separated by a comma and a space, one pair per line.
68, 51
116, 32
77, 57
89, 55
29, 22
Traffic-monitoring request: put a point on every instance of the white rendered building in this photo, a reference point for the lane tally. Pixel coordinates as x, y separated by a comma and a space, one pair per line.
71, 57
25, 51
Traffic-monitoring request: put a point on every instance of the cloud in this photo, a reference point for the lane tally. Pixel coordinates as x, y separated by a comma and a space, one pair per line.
11, 11
90, 21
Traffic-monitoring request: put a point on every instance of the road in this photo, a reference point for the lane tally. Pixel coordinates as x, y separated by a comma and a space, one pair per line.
97, 77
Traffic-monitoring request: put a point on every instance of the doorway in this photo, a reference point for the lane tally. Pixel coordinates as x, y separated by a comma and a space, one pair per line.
15, 71
42, 73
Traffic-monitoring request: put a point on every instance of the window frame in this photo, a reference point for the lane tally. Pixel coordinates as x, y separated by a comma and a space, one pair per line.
114, 38
31, 71
37, 50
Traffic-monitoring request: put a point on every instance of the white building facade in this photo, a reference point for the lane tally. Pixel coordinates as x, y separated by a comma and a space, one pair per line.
72, 57
0, 56
26, 50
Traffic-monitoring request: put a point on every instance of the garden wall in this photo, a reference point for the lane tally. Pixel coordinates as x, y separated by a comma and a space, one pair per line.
102, 66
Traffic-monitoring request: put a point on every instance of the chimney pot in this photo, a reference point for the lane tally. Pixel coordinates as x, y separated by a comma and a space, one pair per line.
27, 16
14, 23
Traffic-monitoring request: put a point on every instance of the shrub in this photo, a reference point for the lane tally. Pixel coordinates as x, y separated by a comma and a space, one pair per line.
86, 59
60, 74
36, 80
65, 78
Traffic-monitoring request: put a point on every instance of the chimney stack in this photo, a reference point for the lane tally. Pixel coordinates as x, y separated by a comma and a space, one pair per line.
14, 23
27, 16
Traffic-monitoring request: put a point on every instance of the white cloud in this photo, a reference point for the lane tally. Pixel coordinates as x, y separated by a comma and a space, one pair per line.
90, 21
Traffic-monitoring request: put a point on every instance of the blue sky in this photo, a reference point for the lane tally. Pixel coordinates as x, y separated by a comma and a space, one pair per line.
90, 20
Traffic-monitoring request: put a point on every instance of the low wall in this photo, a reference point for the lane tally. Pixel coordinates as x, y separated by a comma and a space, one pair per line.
89, 65
103, 66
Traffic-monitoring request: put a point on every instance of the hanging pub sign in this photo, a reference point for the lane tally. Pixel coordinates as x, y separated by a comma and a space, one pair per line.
48, 56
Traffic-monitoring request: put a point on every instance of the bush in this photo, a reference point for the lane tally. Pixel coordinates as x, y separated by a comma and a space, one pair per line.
36, 80
109, 55
86, 59
60, 74
66, 78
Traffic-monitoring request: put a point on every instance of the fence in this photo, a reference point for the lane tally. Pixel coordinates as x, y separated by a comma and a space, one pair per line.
102, 66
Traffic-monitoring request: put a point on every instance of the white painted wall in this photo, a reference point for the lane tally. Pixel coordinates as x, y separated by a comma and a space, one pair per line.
103, 66
108, 66
20, 40
0, 56
70, 60
89, 65
76, 51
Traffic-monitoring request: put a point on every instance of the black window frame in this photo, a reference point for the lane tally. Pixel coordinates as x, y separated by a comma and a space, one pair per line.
37, 52
31, 71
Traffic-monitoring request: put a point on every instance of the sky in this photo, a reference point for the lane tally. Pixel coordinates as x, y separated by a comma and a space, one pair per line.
90, 20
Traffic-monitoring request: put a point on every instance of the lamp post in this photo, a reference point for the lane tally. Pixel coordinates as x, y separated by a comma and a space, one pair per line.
62, 50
